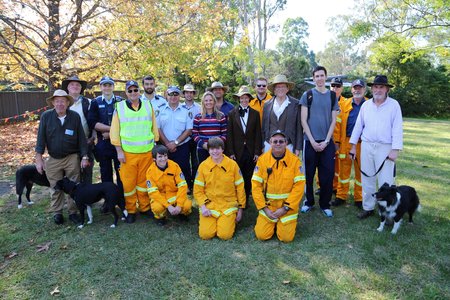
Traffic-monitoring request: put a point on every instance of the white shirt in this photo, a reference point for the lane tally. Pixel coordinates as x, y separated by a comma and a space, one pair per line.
278, 109
379, 124
244, 119
78, 107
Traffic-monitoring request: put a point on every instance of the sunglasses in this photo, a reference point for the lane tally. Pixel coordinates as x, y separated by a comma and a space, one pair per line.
131, 91
281, 142
261, 85
173, 94
336, 85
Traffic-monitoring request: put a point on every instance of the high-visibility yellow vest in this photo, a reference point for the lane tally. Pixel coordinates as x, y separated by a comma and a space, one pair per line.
136, 132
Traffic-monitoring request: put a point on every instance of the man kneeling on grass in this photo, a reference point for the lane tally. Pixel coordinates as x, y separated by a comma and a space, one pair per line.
219, 192
277, 188
167, 188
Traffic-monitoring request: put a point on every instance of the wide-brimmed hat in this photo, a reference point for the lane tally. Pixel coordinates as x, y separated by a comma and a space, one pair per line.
66, 82
243, 90
380, 80
59, 93
218, 85
189, 88
280, 79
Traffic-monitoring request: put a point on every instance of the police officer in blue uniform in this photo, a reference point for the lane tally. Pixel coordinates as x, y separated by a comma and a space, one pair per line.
99, 119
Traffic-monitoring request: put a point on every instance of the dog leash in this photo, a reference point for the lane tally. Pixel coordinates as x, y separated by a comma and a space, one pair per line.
378, 171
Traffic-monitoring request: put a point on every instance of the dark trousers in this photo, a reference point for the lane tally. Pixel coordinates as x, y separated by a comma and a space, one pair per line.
324, 162
194, 161
247, 165
181, 158
87, 173
202, 154
107, 159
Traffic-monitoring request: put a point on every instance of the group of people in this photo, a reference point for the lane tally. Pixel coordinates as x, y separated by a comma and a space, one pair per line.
162, 149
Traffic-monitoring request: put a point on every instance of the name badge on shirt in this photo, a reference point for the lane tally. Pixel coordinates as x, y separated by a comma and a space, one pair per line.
101, 106
69, 132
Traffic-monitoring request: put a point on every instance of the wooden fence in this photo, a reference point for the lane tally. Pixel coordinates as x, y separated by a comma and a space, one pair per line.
15, 105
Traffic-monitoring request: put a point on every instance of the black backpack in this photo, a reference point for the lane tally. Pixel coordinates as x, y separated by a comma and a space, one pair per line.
309, 99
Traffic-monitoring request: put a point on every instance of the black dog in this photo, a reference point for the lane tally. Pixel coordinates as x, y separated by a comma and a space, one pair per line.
25, 177
86, 194
394, 202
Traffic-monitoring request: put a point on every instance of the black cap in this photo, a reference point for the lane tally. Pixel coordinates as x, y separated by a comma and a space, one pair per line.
278, 132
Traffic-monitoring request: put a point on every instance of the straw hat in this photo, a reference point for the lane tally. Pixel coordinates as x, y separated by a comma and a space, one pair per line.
243, 90
189, 88
218, 85
280, 79
59, 93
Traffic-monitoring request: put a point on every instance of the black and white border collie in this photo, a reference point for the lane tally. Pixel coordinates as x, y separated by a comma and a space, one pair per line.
394, 202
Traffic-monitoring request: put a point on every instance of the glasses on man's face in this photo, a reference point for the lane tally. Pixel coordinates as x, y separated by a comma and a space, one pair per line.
281, 142
336, 85
173, 94
261, 85
133, 91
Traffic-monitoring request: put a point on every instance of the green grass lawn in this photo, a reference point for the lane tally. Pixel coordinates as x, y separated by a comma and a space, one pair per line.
338, 258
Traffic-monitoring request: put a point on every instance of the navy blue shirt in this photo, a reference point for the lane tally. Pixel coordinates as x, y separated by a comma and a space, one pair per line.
226, 107
353, 115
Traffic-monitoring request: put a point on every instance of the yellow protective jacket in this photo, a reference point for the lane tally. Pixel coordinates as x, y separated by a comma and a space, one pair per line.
254, 103
167, 187
340, 131
219, 186
340, 101
284, 186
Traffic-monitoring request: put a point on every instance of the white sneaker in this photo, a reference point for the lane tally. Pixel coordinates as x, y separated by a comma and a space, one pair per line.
305, 208
328, 212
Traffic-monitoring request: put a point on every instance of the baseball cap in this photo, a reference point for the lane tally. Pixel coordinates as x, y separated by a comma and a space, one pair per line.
106, 79
358, 82
131, 83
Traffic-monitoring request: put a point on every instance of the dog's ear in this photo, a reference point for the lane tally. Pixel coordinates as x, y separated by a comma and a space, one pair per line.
385, 185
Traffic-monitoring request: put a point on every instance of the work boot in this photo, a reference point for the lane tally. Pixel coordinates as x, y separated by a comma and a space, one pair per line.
58, 218
365, 214
75, 218
337, 202
161, 222
148, 214
131, 218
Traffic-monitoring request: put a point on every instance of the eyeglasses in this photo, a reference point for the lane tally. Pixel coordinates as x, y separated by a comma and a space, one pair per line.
336, 85
133, 91
281, 142
173, 94
261, 85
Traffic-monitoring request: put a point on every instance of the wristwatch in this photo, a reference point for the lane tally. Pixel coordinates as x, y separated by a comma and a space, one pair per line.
176, 142
286, 208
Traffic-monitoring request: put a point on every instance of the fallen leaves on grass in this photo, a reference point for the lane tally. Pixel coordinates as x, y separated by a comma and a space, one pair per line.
286, 281
55, 292
11, 255
43, 247
64, 247
18, 141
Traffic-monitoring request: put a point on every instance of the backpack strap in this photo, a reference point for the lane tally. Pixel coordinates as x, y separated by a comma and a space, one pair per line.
333, 99
309, 99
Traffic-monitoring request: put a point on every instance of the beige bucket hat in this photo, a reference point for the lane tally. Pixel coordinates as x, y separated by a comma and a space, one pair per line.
59, 93
280, 79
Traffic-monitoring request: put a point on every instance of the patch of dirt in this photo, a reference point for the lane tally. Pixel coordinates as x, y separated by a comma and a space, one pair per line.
17, 142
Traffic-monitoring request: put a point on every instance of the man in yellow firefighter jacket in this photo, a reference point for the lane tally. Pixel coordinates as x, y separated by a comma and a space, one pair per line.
277, 189
342, 132
219, 192
167, 187
133, 133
